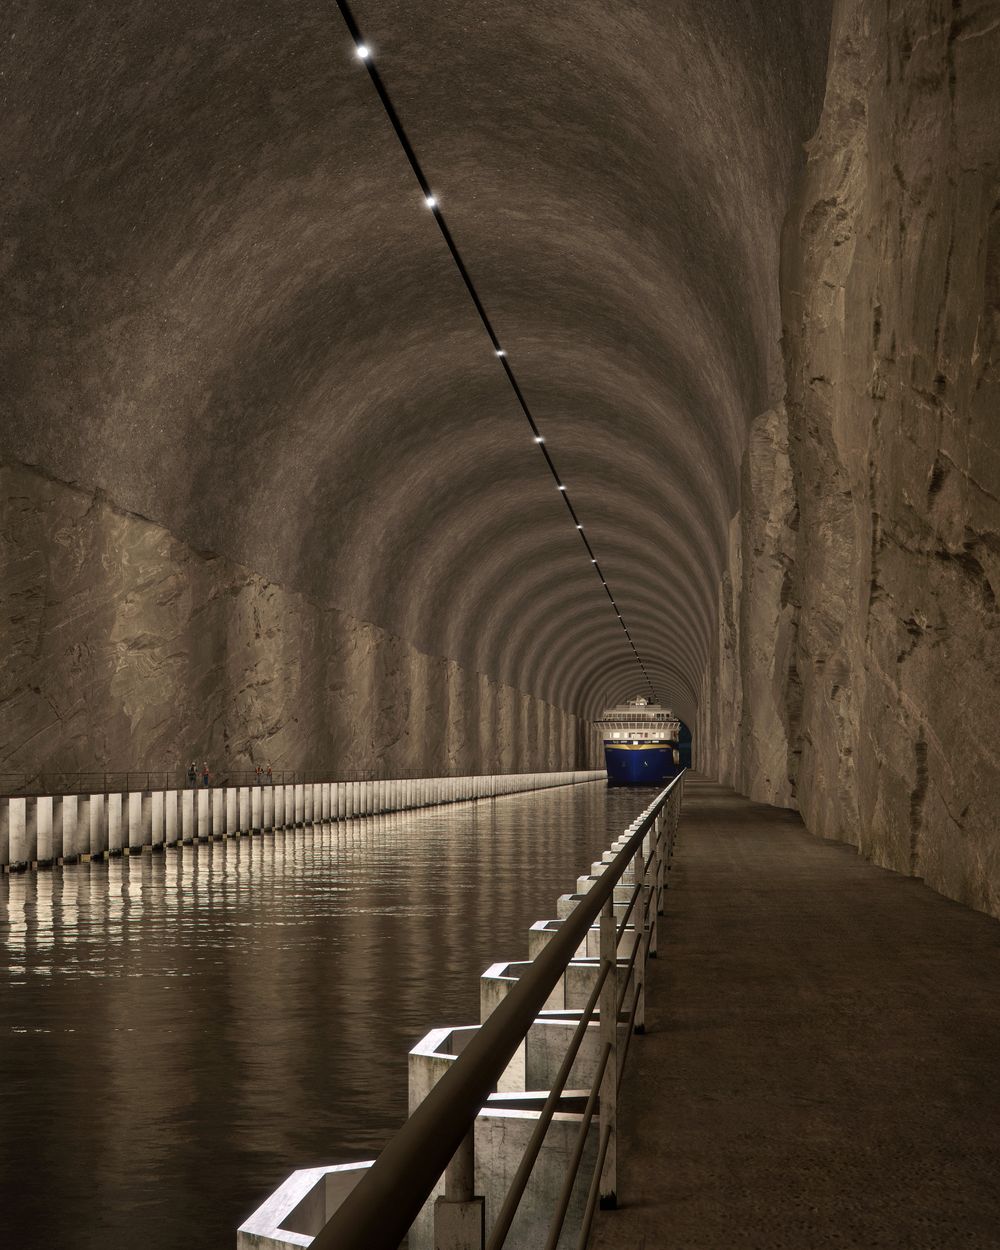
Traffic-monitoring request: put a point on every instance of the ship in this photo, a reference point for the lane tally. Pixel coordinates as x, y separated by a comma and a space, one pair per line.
640, 743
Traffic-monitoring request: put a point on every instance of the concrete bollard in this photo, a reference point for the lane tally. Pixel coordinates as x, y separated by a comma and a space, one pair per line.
256, 809
243, 818
134, 823
157, 824
307, 804
300, 805
64, 825
341, 792
30, 834
267, 817
13, 832
45, 853
278, 818
232, 811
306, 1200
218, 811
325, 807
203, 814
171, 824
115, 810
97, 825
189, 816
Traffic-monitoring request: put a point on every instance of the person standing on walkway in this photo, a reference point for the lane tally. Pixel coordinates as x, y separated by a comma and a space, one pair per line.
204, 773
270, 777
192, 774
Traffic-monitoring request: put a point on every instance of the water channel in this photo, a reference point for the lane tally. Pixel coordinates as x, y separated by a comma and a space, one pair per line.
179, 1031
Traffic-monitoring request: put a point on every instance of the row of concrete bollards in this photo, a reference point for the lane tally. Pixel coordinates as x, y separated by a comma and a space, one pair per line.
39, 831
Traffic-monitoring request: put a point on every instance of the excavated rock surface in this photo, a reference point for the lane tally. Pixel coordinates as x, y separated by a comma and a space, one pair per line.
126, 648
227, 308
865, 640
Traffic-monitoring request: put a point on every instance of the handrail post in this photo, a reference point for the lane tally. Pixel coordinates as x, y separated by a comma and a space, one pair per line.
656, 899
640, 931
609, 1038
459, 1215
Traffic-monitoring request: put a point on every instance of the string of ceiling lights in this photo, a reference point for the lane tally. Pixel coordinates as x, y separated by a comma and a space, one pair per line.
364, 53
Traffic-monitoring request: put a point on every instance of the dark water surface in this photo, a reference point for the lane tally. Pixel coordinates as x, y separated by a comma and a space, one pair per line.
180, 1031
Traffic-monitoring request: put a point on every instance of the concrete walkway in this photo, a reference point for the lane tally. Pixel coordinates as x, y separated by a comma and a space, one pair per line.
822, 1061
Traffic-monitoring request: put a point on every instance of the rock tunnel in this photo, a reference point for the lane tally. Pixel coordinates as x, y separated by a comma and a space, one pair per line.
268, 492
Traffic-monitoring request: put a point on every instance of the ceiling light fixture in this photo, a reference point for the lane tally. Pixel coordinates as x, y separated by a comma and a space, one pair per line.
363, 53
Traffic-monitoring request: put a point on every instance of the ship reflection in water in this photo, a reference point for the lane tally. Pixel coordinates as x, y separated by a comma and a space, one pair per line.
180, 1031
640, 743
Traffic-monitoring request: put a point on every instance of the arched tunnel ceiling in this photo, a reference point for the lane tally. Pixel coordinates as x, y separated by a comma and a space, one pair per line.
227, 306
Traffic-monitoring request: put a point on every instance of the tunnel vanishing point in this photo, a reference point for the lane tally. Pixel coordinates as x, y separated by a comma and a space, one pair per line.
269, 489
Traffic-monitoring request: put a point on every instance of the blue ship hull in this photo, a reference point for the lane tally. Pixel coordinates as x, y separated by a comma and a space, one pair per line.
639, 765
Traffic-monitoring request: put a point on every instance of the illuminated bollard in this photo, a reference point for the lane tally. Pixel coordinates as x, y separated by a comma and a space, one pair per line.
232, 810
137, 836
13, 832
170, 822
203, 815
189, 817
157, 823
45, 852
218, 827
64, 821
97, 824
243, 819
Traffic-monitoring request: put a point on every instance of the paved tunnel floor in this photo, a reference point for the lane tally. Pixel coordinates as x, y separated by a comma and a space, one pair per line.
822, 1061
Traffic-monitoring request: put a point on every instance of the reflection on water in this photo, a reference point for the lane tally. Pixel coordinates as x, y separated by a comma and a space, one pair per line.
179, 1031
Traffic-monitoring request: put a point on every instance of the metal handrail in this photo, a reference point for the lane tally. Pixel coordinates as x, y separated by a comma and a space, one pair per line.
378, 1212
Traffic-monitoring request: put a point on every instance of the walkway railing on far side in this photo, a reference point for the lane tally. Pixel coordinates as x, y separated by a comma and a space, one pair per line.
438, 1138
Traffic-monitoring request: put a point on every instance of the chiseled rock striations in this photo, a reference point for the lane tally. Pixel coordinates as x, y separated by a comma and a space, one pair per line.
125, 648
859, 622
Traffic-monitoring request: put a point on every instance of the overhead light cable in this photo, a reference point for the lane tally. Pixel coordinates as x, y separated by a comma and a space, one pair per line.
363, 52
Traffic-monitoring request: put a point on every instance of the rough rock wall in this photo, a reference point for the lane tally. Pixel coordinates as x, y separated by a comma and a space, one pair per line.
861, 610
125, 648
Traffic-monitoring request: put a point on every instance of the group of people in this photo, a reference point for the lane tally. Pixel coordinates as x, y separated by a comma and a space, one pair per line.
193, 774
263, 776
